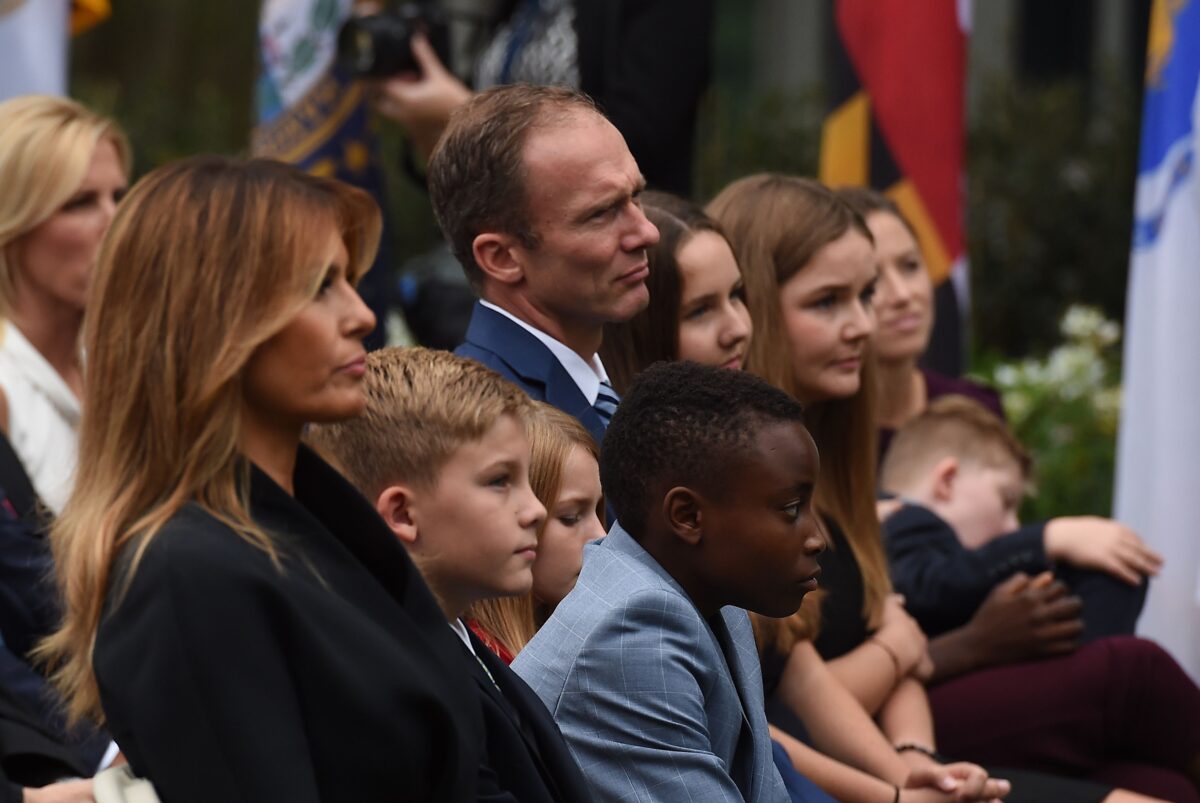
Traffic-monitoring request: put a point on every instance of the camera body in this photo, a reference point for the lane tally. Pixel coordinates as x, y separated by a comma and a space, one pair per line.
380, 45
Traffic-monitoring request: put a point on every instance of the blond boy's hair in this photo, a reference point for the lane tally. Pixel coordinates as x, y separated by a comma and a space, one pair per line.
422, 405
952, 426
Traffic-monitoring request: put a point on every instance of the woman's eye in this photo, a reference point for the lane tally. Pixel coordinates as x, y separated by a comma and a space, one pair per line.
80, 201
868, 294
825, 302
739, 293
696, 312
500, 480
569, 521
793, 509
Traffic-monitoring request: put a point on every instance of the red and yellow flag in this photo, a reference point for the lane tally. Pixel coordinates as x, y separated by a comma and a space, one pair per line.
896, 122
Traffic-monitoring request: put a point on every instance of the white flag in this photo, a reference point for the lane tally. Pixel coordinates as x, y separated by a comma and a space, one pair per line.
33, 47
1158, 456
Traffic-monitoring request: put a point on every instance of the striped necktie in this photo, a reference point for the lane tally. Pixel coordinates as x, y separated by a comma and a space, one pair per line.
606, 403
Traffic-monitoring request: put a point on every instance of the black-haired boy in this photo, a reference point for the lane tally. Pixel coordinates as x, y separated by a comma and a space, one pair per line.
649, 665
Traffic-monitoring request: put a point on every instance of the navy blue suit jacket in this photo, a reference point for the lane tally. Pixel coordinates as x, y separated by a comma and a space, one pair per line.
510, 350
942, 581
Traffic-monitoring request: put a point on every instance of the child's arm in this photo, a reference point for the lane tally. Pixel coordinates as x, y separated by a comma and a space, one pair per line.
1091, 542
907, 721
837, 779
838, 725
905, 717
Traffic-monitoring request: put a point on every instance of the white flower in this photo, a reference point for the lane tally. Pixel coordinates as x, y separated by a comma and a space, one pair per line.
1081, 322
1017, 405
1108, 333
1006, 376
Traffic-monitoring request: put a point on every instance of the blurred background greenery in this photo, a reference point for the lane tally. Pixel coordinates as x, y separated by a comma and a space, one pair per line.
1052, 140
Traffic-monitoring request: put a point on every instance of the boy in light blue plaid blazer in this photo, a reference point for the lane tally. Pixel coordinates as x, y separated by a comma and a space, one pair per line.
649, 665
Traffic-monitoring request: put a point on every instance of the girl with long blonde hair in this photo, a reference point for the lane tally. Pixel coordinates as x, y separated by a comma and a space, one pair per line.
236, 613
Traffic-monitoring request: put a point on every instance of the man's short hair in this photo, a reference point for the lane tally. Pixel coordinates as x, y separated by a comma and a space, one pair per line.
682, 424
422, 405
476, 173
951, 426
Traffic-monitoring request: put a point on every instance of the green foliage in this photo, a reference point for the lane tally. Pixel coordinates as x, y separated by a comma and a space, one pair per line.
1065, 407
179, 77
1050, 203
787, 141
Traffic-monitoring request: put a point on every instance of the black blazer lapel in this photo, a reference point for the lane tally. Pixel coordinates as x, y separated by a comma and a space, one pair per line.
538, 730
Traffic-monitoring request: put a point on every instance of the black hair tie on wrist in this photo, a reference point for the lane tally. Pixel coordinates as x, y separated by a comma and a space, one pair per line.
922, 749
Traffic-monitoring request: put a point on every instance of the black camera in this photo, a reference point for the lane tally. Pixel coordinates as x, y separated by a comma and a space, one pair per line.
380, 45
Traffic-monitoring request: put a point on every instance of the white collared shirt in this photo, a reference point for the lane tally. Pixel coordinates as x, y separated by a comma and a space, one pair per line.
587, 376
460, 630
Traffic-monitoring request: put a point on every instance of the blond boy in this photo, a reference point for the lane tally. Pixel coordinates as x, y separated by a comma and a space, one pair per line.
963, 475
441, 451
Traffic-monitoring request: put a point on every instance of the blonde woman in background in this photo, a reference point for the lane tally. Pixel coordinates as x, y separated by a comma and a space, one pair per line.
63, 169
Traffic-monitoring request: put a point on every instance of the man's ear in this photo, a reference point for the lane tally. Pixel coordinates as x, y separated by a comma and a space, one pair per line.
499, 256
945, 475
396, 505
682, 510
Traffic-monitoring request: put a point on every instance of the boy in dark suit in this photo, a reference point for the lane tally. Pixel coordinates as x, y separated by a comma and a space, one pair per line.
441, 451
961, 475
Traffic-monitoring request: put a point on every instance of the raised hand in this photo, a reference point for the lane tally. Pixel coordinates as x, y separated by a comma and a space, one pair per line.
422, 103
1092, 542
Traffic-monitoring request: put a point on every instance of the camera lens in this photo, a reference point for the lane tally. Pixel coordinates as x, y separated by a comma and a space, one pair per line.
376, 46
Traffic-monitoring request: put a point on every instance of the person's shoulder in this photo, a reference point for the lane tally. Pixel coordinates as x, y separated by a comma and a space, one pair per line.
915, 521
192, 550
613, 594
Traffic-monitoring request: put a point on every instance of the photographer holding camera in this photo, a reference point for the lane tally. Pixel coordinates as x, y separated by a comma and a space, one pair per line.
645, 62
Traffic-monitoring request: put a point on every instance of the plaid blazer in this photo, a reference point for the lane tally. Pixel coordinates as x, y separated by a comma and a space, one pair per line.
654, 702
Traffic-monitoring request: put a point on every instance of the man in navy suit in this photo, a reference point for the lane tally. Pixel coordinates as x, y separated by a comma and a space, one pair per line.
539, 197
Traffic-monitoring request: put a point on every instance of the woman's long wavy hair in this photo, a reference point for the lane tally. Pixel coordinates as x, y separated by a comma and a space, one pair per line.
46, 147
776, 225
553, 435
206, 259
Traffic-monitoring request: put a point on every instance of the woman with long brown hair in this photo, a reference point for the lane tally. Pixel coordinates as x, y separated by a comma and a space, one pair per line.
697, 308
236, 613
810, 270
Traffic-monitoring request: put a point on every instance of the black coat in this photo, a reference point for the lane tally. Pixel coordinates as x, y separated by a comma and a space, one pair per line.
525, 749
333, 677
647, 64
